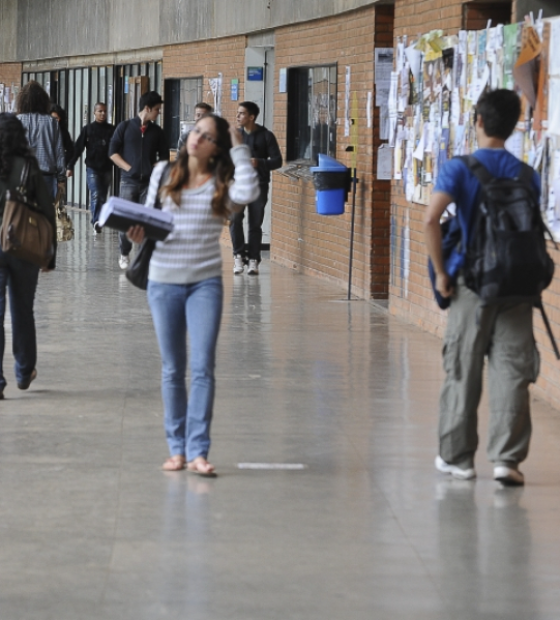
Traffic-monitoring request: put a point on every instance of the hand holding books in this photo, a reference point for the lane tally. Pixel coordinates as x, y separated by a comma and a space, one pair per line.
124, 215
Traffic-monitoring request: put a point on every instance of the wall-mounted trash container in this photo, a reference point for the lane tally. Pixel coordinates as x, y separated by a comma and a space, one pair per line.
332, 181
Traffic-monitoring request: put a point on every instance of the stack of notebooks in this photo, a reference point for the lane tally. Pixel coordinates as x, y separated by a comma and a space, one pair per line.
122, 214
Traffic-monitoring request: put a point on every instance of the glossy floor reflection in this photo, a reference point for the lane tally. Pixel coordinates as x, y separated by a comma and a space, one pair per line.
90, 528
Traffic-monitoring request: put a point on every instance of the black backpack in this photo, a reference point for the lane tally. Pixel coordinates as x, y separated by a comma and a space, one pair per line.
506, 258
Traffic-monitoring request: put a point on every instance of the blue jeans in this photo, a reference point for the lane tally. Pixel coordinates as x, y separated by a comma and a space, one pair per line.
196, 309
51, 181
20, 278
98, 184
135, 191
256, 218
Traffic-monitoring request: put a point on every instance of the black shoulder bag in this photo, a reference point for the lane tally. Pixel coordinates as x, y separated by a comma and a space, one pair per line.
137, 273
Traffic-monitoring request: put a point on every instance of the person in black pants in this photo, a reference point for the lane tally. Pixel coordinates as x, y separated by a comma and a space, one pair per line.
136, 146
265, 156
95, 138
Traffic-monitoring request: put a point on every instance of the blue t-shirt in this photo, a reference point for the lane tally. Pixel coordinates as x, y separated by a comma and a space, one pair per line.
458, 181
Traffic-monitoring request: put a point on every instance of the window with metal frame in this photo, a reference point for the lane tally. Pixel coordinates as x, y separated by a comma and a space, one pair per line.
311, 112
181, 96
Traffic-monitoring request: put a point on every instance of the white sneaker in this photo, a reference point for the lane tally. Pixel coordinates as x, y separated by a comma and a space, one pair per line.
509, 476
97, 228
456, 472
124, 261
253, 269
238, 265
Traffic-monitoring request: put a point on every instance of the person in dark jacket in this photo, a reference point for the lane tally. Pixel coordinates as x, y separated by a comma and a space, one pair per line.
95, 138
19, 277
266, 156
137, 145
59, 114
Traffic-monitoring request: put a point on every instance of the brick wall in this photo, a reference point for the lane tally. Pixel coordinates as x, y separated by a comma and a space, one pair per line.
411, 297
10, 73
301, 239
208, 59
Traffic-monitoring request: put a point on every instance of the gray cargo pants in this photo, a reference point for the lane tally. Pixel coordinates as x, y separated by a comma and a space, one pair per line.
504, 333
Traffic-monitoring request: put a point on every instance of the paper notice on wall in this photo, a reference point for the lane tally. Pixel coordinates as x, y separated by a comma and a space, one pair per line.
381, 96
554, 110
554, 59
383, 66
514, 144
419, 150
347, 104
525, 70
400, 57
216, 90
384, 123
384, 162
369, 109
414, 58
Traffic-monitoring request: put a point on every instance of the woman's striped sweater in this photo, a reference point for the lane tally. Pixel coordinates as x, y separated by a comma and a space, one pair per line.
191, 253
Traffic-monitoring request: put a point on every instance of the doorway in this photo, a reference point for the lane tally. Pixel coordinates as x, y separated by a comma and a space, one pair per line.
259, 88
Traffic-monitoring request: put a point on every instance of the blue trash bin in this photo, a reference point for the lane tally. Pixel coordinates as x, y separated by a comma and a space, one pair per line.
332, 184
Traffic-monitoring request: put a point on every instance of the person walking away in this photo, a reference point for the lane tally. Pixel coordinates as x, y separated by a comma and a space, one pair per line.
199, 109
265, 156
212, 175
33, 108
502, 331
18, 277
95, 138
136, 146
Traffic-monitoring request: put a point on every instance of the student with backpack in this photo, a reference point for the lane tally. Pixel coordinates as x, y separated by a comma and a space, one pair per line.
491, 311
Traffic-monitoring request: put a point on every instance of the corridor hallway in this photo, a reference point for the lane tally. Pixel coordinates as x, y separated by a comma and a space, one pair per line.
361, 528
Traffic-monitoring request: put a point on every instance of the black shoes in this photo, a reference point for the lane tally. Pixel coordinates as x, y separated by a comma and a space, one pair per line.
23, 385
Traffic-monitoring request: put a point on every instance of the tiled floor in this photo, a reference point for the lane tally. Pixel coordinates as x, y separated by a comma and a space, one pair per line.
91, 529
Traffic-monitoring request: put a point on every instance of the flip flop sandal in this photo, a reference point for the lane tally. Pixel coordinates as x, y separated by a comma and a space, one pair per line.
174, 463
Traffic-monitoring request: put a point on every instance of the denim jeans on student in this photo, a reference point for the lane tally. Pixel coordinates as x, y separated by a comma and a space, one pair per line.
256, 218
18, 278
98, 184
135, 191
51, 181
196, 309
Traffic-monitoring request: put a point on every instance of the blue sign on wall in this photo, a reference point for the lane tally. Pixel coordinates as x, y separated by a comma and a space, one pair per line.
255, 74
235, 89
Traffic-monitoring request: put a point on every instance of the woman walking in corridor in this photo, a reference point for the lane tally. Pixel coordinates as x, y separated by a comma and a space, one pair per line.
211, 178
17, 276
43, 134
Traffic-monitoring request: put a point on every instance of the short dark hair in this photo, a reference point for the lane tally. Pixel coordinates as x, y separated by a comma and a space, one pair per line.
500, 110
98, 103
251, 107
202, 105
61, 113
149, 99
33, 98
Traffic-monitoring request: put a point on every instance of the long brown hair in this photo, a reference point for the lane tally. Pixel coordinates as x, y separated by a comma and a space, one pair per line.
220, 165
33, 98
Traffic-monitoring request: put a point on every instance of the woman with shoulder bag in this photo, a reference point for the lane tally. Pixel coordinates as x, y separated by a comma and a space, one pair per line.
43, 134
17, 276
212, 175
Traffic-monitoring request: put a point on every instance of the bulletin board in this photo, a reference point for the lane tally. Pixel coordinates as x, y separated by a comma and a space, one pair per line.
436, 82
